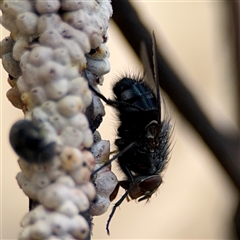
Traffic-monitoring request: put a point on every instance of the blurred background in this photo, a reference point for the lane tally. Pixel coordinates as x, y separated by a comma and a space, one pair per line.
196, 200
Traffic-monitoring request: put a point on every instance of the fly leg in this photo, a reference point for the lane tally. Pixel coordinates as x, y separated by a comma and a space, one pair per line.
119, 202
113, 158
113, 103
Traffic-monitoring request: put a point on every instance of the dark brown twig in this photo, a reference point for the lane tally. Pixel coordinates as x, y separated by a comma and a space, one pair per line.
236, 17
225, 149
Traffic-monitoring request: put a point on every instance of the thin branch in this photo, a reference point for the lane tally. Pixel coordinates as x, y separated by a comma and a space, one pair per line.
225, 149
235, 11
236, 15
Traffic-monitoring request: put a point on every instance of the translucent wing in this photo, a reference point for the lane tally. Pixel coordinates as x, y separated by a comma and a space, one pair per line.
151, 78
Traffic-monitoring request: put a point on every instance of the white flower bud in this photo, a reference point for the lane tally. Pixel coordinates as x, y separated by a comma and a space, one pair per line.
79, 121
27, 220
78, 86
20, 47
24, 60
77, 18
95, 37
68, 208
76, 53
38, 213
38, 95
71, 158
92, 6
51, 135
87, 138
79, 227
40, 230
57, 89
98, 106
53, 195
59, 223
89, 189
9, 23
101, 151
79, 37
50, 107
41, 180
39, 116
25, 233
87, 98
72, 137
52, 237
51, 38
28, 188
47, 22
100, 207
66, 180
71, 5
22, 85
39, 55
30, 74
82, 39
55, 174
105, 183
51, 71
81, 175
60, 56
72, 72
99, 67
58, 121
27, 23
47, 6
89, 159
13, 8
70, 105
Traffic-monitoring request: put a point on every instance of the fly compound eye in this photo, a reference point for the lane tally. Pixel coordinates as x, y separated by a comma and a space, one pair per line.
151, 183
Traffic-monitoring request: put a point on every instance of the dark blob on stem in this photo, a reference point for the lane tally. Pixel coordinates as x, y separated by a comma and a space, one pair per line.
28, 141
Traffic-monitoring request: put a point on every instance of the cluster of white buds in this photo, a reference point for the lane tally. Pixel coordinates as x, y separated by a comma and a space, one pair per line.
53, 49
104, 180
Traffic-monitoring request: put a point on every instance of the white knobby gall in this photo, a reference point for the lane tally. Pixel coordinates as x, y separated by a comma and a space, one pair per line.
55, 49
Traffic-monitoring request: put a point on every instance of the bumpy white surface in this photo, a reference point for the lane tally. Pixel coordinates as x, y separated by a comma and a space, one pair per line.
105, 181
46, 56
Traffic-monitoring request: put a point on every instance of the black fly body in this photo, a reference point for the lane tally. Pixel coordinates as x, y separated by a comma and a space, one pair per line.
143, 134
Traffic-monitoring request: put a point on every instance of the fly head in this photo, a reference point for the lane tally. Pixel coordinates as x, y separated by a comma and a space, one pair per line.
142, 187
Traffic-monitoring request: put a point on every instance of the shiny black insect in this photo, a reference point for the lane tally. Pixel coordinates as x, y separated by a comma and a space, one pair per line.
28, 141
143, 135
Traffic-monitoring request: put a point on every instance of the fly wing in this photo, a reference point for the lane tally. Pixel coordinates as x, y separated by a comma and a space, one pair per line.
151, 77
156, 75
148, 74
